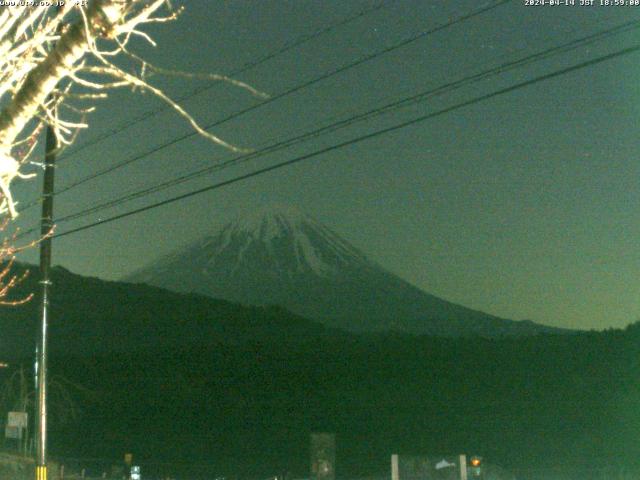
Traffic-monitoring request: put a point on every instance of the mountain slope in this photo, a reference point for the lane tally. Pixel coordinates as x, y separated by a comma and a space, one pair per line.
283, 257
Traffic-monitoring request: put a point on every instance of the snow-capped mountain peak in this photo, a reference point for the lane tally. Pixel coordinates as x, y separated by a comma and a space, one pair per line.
278, 235
280, 256
281, 240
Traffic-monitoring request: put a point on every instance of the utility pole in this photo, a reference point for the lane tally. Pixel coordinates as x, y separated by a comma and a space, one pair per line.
45, 267
46, 226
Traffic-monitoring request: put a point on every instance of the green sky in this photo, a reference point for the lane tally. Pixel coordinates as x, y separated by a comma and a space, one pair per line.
523, 206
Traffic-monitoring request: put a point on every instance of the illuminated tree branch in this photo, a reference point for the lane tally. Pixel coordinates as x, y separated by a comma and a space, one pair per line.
51, 58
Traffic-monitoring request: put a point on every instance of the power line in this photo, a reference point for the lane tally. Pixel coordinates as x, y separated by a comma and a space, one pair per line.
246, 67
504, 67
359, 139
301, 40
297, 88
448, 87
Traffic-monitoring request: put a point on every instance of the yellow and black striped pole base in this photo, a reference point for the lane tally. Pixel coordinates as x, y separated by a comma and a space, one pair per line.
41, 472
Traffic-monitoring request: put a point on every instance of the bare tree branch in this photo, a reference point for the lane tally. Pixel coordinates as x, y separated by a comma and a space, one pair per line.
43, 54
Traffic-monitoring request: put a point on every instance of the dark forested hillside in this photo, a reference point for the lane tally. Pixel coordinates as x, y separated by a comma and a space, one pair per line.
543, 401
91, 316
233, 390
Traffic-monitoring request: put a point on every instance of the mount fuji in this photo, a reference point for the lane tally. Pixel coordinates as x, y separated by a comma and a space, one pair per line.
283, 257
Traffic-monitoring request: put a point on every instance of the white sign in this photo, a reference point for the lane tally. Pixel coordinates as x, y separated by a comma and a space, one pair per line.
135, 472
444, 464
17, 419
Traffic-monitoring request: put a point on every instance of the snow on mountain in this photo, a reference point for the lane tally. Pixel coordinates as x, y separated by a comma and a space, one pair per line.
284, 239
314, 247
281, 256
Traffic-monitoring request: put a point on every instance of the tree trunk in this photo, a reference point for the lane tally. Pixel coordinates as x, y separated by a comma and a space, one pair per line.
40, 82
